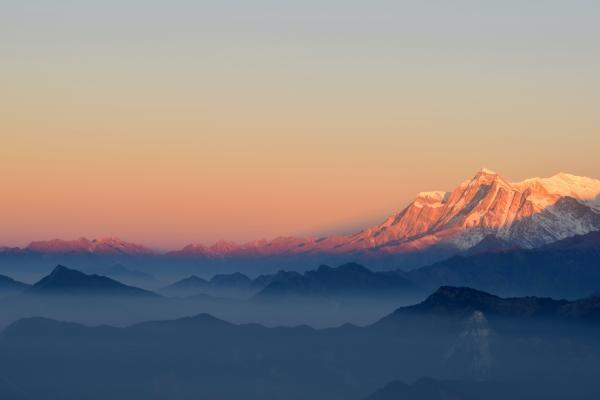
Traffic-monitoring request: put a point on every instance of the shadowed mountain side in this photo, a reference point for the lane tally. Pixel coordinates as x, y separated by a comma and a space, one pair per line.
568, 268
65, 281
346, 281
490, 244
9, 286
589, 242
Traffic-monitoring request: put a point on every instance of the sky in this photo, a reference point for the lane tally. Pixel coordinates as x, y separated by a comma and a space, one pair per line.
175, 122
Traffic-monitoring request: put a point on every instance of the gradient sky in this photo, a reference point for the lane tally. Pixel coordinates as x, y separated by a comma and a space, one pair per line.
170, 122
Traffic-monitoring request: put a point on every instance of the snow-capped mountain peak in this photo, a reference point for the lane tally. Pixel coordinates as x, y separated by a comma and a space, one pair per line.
107, 245
528, 213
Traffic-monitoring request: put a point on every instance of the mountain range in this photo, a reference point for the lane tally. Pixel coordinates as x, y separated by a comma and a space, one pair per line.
235, 285
567, 268
346, 281
323, 296
482, 212
483, 339
107, 246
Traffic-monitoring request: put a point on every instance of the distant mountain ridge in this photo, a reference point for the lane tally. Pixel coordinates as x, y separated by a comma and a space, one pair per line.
65, 281
235, 285
486, 211
99, 246
347, 280
567, 268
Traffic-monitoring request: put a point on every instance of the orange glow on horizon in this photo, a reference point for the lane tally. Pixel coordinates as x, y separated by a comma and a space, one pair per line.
169, 125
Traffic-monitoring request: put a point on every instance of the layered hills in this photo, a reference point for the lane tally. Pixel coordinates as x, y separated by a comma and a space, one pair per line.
485, 339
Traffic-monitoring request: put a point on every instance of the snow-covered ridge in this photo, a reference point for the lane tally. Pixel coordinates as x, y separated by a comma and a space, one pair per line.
563, 184
107, 245
528, 213
431, 199
585, 189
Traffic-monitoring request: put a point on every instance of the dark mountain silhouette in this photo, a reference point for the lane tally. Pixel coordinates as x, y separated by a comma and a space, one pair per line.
568, 268
9, 286
346, 280
589, 241
236, 285
66, 281
450, 301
